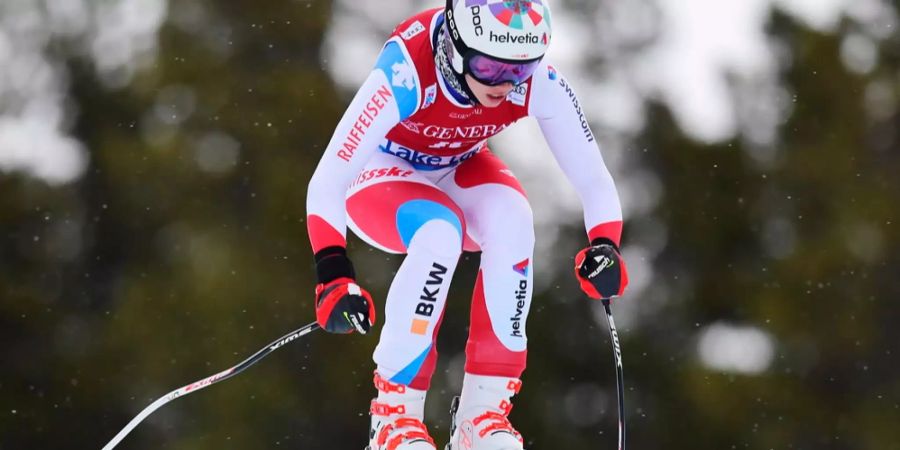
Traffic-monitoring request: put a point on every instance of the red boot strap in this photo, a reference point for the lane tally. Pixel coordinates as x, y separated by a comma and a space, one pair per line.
514, 385
411, 422
499, 423
386, 386
506, 407
490, 415
409, 436
383, 409
384, 433
419, 432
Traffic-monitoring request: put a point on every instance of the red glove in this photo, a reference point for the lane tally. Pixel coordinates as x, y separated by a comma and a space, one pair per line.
342, 307
601, 270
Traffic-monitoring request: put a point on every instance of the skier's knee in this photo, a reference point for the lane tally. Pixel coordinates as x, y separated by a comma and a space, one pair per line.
438, 237
513, 227
432, 227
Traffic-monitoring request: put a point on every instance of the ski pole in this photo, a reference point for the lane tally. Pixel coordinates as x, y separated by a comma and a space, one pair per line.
209, 381
620, 375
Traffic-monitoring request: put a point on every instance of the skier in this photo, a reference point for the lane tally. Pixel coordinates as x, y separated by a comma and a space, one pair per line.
409, 171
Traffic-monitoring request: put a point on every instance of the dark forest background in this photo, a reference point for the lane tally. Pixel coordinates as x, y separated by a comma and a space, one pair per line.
149, 272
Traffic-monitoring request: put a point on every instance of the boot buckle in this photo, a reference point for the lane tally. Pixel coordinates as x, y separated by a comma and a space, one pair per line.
383, 409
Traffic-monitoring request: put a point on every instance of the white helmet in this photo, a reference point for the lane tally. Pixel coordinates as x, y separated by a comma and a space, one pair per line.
514, 32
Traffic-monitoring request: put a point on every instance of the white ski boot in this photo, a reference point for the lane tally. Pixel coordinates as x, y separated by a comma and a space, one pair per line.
479, 416
397, 416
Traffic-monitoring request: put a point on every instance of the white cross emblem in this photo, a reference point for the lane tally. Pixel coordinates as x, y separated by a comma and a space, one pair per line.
403, 75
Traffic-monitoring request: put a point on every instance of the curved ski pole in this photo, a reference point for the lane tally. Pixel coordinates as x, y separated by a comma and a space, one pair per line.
209, 381
620, 375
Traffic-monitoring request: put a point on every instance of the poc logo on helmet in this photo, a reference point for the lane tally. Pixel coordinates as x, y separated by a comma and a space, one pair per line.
476, 20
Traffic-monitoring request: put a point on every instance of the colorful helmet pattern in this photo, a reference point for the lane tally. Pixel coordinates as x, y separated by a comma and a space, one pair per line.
506, 30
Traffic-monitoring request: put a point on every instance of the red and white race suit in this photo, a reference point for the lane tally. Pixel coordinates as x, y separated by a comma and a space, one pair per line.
409, 171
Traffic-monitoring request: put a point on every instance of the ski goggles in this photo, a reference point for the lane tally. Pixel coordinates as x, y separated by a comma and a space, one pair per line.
494, 72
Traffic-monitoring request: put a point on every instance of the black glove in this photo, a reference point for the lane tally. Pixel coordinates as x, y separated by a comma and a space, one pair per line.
341, 305
601, 270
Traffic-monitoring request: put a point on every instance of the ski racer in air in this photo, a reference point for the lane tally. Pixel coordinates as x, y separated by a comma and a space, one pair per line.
408, 169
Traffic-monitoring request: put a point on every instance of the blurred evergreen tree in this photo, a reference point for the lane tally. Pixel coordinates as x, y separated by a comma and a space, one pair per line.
183, 249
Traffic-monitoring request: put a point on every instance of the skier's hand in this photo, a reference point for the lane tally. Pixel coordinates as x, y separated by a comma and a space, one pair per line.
342, 307
601, 270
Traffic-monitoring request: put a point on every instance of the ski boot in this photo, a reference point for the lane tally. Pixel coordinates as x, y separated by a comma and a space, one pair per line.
397, 416
478, 418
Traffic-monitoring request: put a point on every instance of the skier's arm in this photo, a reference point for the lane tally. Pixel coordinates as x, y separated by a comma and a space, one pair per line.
559, 113
371, 114
563, 123
389, 95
